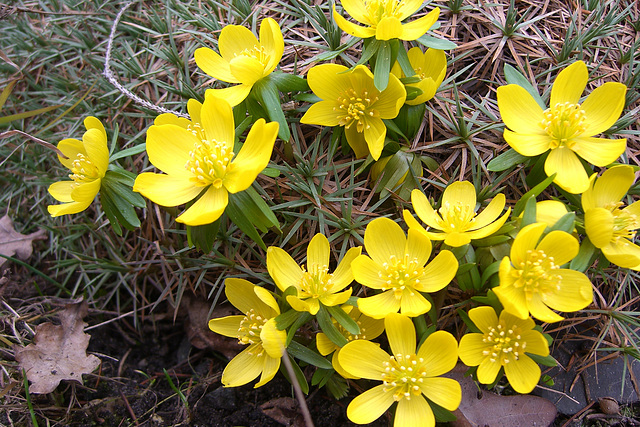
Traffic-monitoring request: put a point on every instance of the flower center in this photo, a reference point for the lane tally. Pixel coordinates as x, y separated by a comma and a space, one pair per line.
250, 327
83, 170
379, 9
564, 122
456, 217
209, 160
354, 108
401, 274
257, 52
403, 375
316, 282
625, 223
504, 344
537, 274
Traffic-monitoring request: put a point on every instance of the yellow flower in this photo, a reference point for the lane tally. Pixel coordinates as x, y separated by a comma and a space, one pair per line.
315, 285
197, 157
383, 19
611, 228
350, 99
567, 128
242, 59
406, 375
430, 68
256, 328
532, 280
88, 161
370, 328
456, 219
396, 265
503, 343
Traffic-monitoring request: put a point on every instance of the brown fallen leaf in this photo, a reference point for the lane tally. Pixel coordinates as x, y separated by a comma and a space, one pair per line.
13, 243
490, 409
58, 352
284, 410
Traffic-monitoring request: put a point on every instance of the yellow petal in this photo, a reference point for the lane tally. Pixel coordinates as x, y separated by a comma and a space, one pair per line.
414, 412
527, 144
299, 305
571, 175
424, 210
172, 119
370, 405
428, 88
523, 374
243, 368
331, 300
270, 368
322, 113
61, 190
445, 392
246, 70
391, 99
350, 28
375, 132
68, 208
194, 107
365, 271
283, 269
234, 95
91, 122
70, 147
384, 239
536, 342
488, 370
512, 299
439, 272
329, 81
324, 344
456, 239
540, 311
318, 251
562, 246
357, 9
527, 239
415, 29
86, 191
342, 275
623, 253
519, 111
240, 293
165, 190
253, 156
490, 213
603, 107
550, 211
273, 339
569, 84
273, 43
418, 247
599, 151
357, 142
168, 148
459, 193
406, 8
484, 318
471, 348
227, 326
379, 306
335, 362
207, 208
389, 28
611, 187
234, 39
440, 353
217, 120
213, 65
363, 359
401, 334
575, 292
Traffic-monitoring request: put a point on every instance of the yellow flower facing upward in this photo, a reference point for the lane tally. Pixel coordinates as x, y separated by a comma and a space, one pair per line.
503, 342
242, 59
532, 280
197, 157
370, 328
407, 375
88, 161
456, 221
350, 99
315, 285
610, 227
567, 128
255, 328
397, 265
383, 19
430, 68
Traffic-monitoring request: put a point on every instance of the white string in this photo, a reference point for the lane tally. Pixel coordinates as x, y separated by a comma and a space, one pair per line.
108, 74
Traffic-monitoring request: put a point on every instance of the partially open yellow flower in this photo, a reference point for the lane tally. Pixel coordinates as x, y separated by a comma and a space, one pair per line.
256, 328
370, 328
350, 99
242, 59
197, 157
397, 265
456, 220
503, 343
430, 68
610, 227
532, 278
407, 375
383, 19
88, 161
567, 128
315, 285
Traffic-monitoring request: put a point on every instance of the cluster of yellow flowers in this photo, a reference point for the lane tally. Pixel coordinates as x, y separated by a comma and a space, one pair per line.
201, 158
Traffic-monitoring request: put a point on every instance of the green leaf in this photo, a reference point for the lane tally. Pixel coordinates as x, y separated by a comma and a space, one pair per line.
305, 354
329, 328
434, 43
344, 319
543, 360
289, 82
534, 192
585, 256
371, 47
492, 269
442, 415
467, 321
383, 66
239, 217
304, 318
267, 93
566, 223
20, 116
131, 151
286, 319
6, 92
529, 213
119, 198
513, 76
300, 378
203, 236
405, 64
506, 160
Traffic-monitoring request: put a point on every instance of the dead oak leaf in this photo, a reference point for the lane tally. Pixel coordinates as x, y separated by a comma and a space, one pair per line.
13, 243
58, 352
